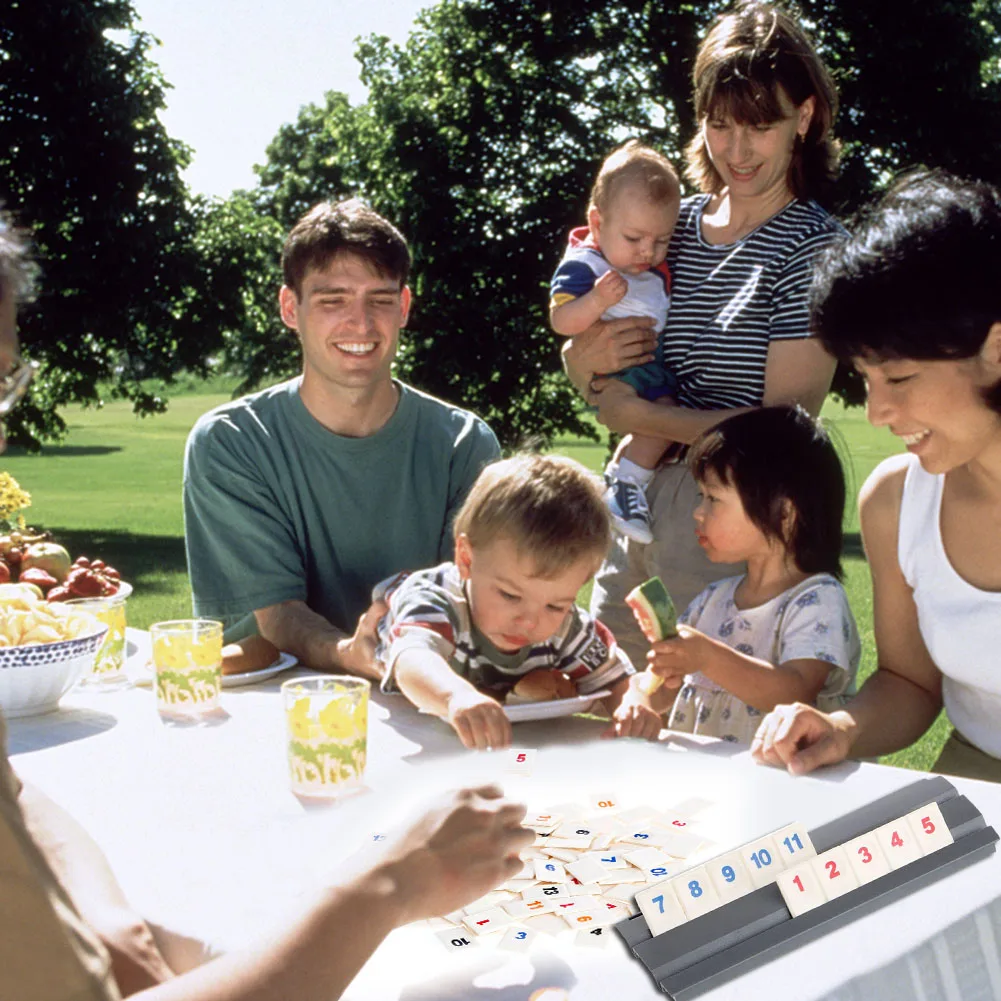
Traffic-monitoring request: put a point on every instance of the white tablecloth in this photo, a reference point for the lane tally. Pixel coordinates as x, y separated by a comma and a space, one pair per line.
206, 838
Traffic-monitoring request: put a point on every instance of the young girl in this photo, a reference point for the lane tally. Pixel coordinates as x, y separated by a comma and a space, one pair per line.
773, 495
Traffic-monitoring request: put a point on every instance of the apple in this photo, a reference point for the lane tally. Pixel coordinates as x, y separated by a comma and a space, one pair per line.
47, 556
39, 577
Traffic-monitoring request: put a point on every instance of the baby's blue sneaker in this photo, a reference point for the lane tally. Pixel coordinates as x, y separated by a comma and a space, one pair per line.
629, 509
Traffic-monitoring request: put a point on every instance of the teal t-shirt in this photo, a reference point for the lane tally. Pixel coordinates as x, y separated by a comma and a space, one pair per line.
278, 508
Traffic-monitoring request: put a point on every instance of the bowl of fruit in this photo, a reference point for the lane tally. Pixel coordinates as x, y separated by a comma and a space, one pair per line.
35, 559
45, 648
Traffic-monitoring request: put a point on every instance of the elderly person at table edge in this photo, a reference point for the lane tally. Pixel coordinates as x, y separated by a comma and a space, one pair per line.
741, 259
931, 518
300, 498
68, 934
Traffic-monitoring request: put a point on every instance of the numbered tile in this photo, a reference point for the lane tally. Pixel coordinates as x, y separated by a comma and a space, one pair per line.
605, 803
519, 909
696, 892
550, 871
518, 939
661, 908
729, 876
455, 938
519, 760
487, 921
575, 829
834, 872
800, 888
929, 827
550, 891
899, 843
609, 860
866, 857
617, 910
793, 844
587, 870
762, 861
593, 938
543, 821
645, 838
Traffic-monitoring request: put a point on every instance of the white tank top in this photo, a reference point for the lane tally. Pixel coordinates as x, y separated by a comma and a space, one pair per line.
960, 624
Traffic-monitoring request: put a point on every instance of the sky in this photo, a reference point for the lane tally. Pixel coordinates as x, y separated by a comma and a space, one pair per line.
242, 68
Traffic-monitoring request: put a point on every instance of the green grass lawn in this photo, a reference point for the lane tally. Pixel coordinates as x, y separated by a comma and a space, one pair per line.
113, 490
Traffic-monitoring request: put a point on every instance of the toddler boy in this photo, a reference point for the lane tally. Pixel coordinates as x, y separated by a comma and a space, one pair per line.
615, 268
456, 638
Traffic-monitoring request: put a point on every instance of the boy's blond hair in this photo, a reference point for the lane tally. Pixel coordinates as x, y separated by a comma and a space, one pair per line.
549, 507
634, 163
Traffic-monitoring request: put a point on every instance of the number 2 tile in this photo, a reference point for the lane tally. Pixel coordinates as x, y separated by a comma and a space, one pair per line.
834, 872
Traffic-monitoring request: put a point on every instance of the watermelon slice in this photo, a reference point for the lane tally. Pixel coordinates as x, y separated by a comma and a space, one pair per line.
657, 618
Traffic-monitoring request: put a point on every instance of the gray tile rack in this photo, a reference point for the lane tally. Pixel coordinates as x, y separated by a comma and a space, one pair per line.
757, 928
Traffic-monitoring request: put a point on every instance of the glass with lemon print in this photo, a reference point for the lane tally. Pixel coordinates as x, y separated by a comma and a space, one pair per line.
327, 721
187, 659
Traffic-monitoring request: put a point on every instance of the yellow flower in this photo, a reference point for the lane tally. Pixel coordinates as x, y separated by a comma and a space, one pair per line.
298, 719
339, 720
12, 498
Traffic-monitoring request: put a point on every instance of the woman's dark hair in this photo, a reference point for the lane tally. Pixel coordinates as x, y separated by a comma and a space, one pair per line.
749, 53
774, 454
918, 277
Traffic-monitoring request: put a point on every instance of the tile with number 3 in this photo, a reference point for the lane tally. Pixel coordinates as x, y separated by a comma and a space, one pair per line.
866, 857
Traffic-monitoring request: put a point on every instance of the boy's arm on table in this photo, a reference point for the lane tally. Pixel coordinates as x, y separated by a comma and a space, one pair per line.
902, 698
429, 682
453, 854
84, 873
295, 628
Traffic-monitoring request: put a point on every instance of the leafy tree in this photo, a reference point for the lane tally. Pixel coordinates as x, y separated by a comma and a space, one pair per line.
482, 133
86, 163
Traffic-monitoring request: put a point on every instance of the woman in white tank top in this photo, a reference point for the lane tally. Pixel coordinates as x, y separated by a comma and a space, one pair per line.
913, 300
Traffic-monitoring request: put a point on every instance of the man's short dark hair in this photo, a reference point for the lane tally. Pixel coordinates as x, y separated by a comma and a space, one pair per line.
18, 271
917, 278
348, 227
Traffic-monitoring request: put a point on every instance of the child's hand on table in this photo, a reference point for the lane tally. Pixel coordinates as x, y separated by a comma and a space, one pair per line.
478, 719
633, 716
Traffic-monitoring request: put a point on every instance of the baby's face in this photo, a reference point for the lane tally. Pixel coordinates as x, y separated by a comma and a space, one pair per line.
511, 606
633, 232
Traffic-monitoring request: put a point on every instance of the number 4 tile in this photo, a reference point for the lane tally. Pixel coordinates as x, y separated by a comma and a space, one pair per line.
900, 845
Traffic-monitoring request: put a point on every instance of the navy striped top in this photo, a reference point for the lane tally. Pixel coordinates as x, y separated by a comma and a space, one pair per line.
729, 301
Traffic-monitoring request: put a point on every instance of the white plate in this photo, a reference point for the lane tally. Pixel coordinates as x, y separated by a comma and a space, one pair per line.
283, 663
524, 711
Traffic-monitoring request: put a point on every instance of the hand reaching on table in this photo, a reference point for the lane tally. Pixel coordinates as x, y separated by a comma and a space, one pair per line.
801, 738
457, 852
478, 719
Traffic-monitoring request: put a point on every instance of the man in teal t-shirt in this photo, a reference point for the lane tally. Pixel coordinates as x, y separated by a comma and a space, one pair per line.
300, 498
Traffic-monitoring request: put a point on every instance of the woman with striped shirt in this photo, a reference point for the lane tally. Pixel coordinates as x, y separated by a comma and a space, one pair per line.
741, 261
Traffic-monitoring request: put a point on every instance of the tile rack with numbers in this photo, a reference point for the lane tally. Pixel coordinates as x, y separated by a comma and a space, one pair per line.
758, 927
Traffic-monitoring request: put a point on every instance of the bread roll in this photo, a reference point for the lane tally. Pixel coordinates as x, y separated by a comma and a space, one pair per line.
251, 654
543, 685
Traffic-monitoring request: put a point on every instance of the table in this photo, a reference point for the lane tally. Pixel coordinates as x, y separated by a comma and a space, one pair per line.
202, 831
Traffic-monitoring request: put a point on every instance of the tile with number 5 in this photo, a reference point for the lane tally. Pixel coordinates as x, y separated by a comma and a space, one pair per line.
930, 828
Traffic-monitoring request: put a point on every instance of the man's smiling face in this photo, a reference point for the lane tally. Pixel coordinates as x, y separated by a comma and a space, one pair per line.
348, 318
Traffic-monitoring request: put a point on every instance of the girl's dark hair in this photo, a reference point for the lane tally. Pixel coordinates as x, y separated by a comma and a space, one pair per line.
917, 277
749, 53
774, 454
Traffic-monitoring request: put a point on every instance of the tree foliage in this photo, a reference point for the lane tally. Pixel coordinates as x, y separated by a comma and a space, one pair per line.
482, 133
86, 164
